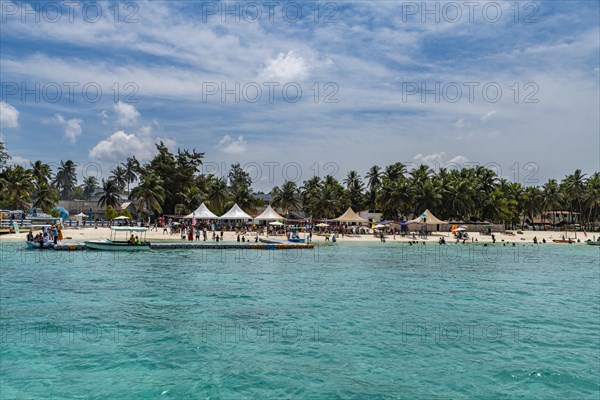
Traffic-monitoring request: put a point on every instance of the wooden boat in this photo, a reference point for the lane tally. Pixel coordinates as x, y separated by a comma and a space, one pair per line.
113, 244
569, 241
39, 246
592, 243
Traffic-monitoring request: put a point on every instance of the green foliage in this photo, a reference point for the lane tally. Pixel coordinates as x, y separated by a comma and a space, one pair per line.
110, 213
125, 213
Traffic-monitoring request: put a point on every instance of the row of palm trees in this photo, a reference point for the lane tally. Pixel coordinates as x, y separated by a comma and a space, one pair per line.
460, 194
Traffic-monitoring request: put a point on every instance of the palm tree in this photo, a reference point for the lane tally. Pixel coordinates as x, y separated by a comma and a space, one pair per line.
242, 195
395, 171
552, 197
191, 198
373, 183
394, 197
66, 178
574, 186
287, 198
132, 169
41, 172
325, 204
110, 194
4, 156
45, 197
533, 203
355, 189
591, 197
218, 194
90, 185
308, 192
16, 186
149, 194
119, 177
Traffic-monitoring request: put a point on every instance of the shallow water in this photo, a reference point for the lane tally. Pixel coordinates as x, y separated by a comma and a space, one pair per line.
368, 320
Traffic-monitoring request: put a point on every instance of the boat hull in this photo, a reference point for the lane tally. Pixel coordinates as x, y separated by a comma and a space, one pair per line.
563, 241
593, 243
296, 240
108, 245
39, 246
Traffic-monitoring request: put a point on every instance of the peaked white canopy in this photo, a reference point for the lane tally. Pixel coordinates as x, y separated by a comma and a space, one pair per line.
202, 212
269, 215
350, 216
235, 213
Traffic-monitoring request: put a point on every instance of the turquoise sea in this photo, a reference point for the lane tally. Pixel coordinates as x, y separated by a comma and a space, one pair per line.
352, 321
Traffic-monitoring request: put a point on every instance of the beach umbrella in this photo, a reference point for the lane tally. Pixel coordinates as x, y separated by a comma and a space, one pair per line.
322, 225
379, 226
276, 223
122, 217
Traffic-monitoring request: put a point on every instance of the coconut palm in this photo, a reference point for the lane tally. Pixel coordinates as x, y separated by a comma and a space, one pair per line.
66, 178
149, 194
41, 172
110, 194
218, 194
119, 177
90, 186
132, 169
191, 198
45, 197
16, 187
287, 198
325, 204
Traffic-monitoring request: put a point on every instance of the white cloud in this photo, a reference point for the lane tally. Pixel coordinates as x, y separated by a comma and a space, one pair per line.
9, 116
121, 145
286, 67
127, 115
430, 158
230, 145
72, 126
486, 116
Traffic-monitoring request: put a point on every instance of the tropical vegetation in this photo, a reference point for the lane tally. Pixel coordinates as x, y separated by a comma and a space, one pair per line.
172, 183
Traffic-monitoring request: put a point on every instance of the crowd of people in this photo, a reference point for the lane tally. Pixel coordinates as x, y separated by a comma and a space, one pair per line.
49, 234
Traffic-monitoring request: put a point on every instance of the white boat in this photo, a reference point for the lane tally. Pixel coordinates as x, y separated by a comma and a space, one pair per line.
113, 244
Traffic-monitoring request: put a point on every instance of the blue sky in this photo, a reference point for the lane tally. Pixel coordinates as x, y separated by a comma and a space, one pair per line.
361, 67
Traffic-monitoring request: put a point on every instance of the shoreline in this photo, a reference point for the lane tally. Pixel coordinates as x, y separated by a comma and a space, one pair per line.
83, 234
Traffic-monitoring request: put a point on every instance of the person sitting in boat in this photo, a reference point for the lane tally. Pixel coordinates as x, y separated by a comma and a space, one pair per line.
30, 236
138, 241
131, 240
45, 239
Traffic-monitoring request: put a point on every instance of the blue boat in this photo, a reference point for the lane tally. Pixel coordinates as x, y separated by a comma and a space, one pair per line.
39, 246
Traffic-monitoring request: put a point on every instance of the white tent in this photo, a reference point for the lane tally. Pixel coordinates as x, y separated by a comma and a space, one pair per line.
269, 215
235, 213
202, 212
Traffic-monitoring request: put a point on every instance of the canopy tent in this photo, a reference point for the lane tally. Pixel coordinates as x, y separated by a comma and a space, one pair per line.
202, 212
269, 215
81, 216
426, 217
235, 213
350, 216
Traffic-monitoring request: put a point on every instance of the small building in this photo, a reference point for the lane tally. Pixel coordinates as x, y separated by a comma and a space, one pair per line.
371, 215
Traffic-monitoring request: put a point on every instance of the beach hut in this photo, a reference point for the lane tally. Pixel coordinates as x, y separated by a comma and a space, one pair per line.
235, 213
202, 212
350, 216
269, 215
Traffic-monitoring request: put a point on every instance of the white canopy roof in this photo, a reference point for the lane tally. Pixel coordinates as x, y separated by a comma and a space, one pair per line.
235, 213
202, 212
269, 215
81, 215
